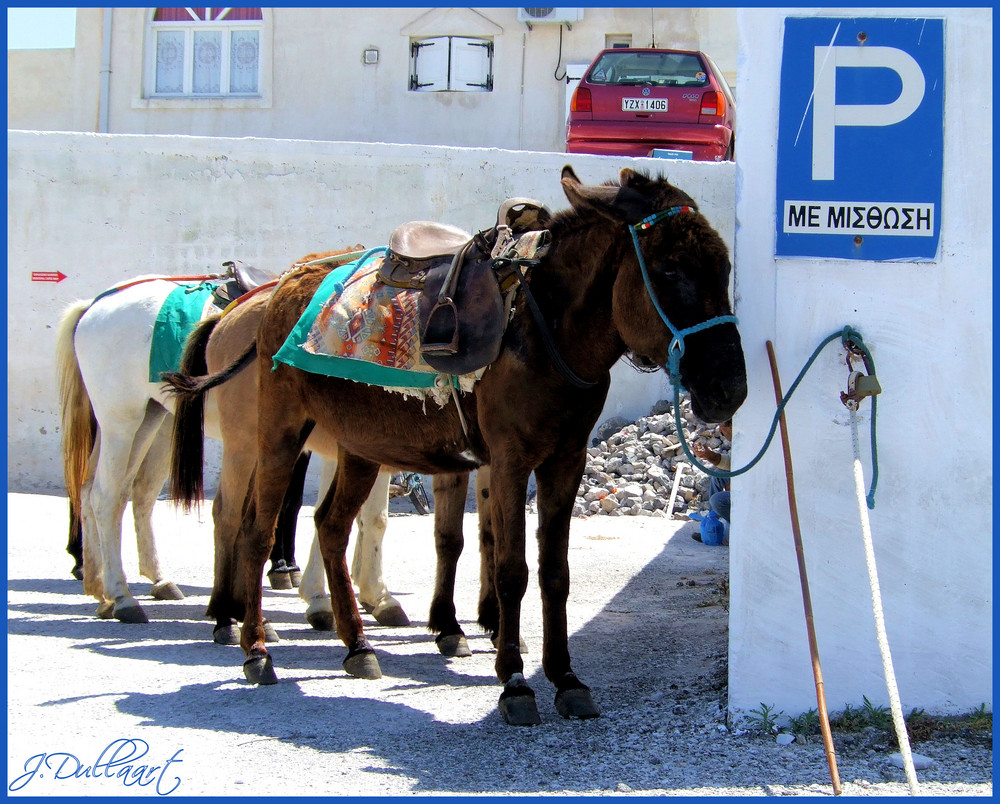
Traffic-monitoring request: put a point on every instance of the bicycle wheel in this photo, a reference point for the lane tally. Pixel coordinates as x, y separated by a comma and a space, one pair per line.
419, 499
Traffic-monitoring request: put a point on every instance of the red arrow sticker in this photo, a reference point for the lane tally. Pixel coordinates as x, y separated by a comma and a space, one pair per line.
47, 276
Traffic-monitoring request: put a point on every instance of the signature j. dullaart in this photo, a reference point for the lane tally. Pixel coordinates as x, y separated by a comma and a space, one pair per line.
123, 760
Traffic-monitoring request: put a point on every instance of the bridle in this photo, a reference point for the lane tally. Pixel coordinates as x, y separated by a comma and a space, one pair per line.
676, 350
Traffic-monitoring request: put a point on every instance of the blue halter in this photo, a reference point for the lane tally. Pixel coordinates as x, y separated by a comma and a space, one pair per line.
676, 350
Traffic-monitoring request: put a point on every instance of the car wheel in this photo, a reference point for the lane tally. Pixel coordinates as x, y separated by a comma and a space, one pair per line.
731, 152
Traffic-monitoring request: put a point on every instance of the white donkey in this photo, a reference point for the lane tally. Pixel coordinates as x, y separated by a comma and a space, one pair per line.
116, 424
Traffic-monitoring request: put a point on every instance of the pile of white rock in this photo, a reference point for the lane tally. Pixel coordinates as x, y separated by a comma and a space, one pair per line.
632, 466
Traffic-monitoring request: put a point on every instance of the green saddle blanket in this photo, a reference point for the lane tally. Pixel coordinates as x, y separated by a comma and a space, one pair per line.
183, 309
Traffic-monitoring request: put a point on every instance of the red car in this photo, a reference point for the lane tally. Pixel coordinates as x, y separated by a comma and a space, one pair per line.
632, 101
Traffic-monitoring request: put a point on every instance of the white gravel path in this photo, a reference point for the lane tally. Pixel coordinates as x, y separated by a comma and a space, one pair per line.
646, 634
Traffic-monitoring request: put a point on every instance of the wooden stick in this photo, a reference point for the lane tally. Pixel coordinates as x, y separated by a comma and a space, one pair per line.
824, 719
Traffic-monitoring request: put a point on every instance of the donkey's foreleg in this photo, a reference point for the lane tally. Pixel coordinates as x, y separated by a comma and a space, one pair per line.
450, 492
489, 605
558, 479
352, 484
508, 484
284, 572
74, 545
366, 567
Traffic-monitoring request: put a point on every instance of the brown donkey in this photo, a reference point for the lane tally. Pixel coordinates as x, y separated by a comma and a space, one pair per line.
214, 344
632, 266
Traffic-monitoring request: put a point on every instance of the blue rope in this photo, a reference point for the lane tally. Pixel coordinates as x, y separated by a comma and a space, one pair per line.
847, 335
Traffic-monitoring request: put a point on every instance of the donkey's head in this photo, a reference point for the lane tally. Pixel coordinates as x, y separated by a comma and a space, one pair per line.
671, 294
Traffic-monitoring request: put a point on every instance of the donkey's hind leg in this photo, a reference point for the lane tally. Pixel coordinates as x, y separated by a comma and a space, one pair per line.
312, 586
121, 452
351, 486
366, 567
450, 492
148, 483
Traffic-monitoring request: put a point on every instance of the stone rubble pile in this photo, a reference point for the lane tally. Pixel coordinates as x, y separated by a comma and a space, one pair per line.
631, 466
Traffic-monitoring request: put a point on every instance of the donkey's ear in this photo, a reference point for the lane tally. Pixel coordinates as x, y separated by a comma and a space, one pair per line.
621, 204
629, 178
569, 173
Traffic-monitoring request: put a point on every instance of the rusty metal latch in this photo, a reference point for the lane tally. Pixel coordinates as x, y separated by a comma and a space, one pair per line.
859, 385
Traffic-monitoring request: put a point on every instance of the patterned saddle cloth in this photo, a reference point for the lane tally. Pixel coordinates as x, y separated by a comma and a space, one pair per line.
358, 328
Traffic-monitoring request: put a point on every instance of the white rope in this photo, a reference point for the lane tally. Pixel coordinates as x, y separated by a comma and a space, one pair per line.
883, 641
678, 473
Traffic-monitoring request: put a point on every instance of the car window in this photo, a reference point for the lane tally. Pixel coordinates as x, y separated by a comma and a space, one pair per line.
662, 69
721, 80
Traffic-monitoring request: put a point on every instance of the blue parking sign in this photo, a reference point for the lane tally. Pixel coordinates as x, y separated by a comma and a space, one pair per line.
860, 138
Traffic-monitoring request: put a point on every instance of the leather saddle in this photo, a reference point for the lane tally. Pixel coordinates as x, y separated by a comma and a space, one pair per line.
463, 279
239, 280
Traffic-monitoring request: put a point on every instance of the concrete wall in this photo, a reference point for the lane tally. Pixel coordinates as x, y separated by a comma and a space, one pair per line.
104, 208
314, 85
929, 326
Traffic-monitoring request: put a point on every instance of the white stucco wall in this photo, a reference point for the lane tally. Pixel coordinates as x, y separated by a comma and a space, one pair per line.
104, 208
929, 326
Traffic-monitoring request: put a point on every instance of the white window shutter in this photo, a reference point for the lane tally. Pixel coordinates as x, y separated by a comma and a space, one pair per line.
470, 65
430, 64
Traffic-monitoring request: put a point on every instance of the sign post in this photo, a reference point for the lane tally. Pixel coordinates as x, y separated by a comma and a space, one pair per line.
860, 139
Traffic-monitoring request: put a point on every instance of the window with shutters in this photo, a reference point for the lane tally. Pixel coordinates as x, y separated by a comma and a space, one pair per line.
204, 52
451, 64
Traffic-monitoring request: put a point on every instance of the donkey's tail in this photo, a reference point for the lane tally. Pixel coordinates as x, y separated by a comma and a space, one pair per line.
79, 426
187, 459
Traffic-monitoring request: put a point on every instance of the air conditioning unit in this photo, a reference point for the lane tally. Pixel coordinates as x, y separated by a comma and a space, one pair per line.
533, 15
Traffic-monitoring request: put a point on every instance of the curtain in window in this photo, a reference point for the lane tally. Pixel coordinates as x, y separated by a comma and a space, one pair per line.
207, 76
244, 61
170, 61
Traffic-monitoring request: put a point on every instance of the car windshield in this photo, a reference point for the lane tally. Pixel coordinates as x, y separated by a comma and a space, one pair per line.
662, 69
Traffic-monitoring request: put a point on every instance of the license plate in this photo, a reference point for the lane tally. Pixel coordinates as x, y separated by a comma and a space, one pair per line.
644, 104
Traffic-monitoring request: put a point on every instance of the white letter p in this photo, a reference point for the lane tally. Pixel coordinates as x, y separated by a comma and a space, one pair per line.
827, 115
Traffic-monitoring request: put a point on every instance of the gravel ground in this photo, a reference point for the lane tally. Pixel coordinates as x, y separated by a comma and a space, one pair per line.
648, 634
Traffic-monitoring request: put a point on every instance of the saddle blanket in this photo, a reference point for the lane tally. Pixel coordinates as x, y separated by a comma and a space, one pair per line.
357, 328
181, 311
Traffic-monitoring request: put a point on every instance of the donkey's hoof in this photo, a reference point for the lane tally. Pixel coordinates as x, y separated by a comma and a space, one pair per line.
106, 610
363, 664
226, 634
166, 590
279, 579
270, 635
77, 572
389, 614
128, 611
295, 576
522, 645
260, 670
320, 620
576, 703
517, 703
453, 645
